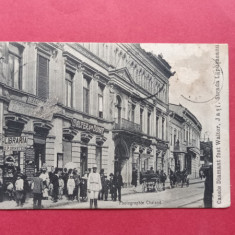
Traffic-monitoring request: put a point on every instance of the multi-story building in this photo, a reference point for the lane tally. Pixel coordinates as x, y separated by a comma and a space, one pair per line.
184, 140
84, 103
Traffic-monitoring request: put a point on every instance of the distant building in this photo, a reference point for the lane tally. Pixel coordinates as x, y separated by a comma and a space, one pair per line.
184, 138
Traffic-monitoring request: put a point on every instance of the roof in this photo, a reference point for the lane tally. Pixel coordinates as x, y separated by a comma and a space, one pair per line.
184, 112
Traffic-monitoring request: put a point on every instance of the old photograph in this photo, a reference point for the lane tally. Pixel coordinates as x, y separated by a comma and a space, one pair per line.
113, 125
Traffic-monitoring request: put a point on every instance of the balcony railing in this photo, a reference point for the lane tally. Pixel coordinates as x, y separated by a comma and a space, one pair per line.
127, 125
178, 147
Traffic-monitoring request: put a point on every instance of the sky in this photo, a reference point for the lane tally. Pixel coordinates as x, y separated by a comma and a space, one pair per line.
193, 83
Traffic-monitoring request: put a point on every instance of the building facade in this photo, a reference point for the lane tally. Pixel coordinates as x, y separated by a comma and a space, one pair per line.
184, 140
85, 103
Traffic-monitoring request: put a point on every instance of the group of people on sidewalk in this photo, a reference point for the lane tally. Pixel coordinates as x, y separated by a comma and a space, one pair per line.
63, 183
99, 186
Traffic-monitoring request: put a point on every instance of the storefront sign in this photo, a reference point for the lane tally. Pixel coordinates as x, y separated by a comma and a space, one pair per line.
15, 143
87, 127
162, 146
44, 111
29, 162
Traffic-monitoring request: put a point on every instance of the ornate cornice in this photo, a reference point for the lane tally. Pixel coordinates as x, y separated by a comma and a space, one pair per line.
89, 55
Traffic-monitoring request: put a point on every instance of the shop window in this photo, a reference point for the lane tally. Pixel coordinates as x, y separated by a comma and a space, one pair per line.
69, 88
86, 95
15, 66
42, 76
60, 160
100, 100
99, 158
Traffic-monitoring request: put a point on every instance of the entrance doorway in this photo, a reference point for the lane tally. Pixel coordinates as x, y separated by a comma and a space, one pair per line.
83, 162
121, 156
39, 156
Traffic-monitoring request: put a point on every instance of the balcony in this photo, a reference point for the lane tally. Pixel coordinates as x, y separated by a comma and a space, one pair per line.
179, 148
127, 125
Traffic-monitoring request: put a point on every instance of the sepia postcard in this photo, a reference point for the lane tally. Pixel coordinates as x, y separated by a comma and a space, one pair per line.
114, 125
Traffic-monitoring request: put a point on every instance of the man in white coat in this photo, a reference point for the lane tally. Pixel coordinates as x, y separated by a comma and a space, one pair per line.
94, 186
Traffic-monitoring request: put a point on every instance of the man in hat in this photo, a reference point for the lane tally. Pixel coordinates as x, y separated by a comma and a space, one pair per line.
94, 186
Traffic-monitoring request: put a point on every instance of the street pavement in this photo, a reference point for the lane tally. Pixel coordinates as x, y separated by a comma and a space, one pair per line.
186, 197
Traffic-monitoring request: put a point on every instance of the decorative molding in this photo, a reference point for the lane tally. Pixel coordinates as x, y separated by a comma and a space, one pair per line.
86, 136
141, 149
89, 55
100, 139
69, 133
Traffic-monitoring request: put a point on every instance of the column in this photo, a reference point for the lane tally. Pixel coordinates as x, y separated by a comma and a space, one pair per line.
94, 96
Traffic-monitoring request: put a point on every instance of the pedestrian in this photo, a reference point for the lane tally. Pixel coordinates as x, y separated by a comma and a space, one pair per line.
118, 183
77, 180
94, 186
61, 187
101, 193
37, 187
55, 182
83, 188
105, 188
112, 186
134, 177
163, 179
70, 187
65, 178
151, 171
208, 192
46, 181
19, 190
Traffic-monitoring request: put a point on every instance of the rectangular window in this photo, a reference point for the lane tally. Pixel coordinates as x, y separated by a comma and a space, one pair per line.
175, 136
141, 118
69, 88
42, 76
86, 95
133, 113
15, 66
100, 100
163, 128
157, 125
148, 123
99, 158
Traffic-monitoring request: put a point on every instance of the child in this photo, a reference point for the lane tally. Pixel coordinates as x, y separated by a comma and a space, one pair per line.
70, 187
10, 191
61, 187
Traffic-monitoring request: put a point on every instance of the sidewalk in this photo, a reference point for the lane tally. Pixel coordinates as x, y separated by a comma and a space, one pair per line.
48, 204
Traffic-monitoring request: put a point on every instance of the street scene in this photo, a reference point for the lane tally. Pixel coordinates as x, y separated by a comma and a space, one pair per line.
105, 125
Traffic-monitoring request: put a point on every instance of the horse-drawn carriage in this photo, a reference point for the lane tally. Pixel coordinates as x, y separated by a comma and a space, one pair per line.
152, 182
179, 178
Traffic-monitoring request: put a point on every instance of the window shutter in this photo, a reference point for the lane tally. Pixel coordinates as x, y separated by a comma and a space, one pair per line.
43, 77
